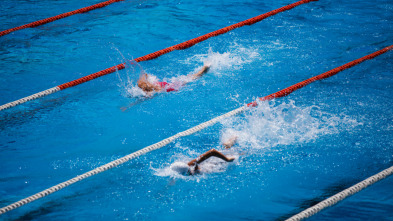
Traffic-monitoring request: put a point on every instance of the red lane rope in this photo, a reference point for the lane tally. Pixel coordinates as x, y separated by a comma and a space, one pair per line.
327, 74
183, 45
57, 17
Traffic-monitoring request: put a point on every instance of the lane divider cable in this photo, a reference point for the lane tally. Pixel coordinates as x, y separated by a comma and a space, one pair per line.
342, 195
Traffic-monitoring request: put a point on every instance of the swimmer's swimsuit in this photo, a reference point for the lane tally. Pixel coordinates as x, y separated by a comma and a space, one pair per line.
166, 86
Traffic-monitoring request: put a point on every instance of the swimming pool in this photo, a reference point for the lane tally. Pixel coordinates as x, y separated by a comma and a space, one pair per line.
292, 153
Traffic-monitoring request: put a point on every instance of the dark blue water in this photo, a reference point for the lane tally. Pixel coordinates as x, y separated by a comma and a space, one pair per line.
292, 152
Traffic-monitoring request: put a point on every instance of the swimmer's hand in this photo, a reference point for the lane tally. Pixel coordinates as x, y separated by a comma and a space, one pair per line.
229, 143
230, 159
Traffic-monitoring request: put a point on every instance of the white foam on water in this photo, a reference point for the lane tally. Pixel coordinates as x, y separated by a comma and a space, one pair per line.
177, 169
222, 63
134, 91
269, 125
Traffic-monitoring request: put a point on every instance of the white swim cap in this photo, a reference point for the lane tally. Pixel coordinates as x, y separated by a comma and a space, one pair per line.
180, 167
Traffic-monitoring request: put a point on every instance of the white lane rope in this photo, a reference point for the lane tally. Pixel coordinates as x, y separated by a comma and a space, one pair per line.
29, 98
119, 161
342, 195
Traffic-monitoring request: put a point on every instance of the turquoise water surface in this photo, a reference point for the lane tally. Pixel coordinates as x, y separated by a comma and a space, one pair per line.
292, 152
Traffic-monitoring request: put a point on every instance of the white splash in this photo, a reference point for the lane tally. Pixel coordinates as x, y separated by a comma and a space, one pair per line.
270, 125
134, 91
127, 80
221, 63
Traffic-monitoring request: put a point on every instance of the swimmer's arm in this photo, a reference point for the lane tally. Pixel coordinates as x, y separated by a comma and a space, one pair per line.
207, 155
203, 70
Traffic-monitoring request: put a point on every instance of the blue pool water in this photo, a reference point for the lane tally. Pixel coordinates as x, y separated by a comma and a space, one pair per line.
292, 152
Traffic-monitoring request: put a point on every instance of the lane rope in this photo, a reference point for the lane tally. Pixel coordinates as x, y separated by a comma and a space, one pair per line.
190, 131
157, 54
57, 17
327, 74
31, 97
342, 195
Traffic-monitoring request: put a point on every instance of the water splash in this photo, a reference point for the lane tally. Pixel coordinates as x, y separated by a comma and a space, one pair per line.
221, 63
129, 76
265, 126
269, 125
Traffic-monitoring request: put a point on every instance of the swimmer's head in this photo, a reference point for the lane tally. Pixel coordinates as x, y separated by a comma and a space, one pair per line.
144, 84
180, 167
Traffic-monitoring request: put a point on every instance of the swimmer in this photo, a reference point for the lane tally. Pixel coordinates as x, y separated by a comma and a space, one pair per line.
192, 167
149, 88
